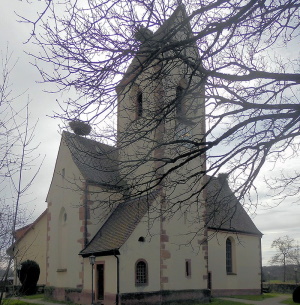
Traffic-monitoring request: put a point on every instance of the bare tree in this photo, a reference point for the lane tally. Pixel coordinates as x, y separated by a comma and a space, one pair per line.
250, 86
296, 255
285, 247
16, 157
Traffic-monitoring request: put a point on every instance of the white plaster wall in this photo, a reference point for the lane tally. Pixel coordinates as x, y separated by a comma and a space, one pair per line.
101, 201
65, 192
247, 269
134, 250
185, 244
68, 193
135, 136
184, 208
32, 246
110, 274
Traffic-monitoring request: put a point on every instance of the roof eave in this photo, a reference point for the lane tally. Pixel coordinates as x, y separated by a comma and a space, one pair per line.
235, 231
107, 185
101, 253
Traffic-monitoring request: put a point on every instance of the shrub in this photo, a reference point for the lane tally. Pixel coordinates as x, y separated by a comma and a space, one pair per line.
29, 276
296, 295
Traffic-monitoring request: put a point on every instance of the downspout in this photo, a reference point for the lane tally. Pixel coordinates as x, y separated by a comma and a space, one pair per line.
261, 269
118, 279
85, 232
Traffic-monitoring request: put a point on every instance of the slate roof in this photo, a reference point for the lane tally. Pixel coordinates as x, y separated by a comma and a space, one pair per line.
119, 226
224, 211
96, 161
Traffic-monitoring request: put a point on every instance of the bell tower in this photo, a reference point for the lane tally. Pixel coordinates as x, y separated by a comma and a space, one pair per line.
160, 103
161, 128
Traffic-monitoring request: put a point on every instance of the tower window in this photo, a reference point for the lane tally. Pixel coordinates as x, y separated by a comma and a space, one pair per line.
139, 104
188, 272
179, 101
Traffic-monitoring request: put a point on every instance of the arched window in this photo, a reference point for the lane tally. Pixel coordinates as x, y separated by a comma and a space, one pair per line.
139, 104
141, 273
229, 255
62, 250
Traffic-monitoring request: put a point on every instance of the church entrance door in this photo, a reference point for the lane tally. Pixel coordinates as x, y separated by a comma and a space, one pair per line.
100, 281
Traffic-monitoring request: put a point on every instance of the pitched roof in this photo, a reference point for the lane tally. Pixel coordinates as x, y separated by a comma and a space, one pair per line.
96, 161
224, 211
19, 233
119, 226
176, 22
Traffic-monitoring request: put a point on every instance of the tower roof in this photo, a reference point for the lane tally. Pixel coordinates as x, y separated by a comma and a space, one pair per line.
175, 29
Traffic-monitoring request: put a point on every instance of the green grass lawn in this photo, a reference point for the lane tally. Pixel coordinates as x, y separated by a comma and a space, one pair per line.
253, 298
16, 302
288, 301
26, 299
215, 301
34, 296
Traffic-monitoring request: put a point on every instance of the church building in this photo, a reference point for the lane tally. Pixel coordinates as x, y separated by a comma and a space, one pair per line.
138, 223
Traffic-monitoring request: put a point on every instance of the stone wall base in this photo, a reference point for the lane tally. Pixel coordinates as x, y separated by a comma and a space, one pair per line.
166, 297
148, 298
230, 292
283, 288
75, 295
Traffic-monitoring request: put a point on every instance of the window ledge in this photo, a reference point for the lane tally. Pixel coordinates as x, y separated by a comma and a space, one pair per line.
231, 273
61, 270
141, 285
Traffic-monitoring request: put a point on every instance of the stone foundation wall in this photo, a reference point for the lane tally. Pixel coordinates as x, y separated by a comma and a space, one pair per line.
166, 297
75, 295
282, 288
230, 292
159, 297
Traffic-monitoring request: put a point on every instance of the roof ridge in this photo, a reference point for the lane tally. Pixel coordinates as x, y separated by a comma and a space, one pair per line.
70, 134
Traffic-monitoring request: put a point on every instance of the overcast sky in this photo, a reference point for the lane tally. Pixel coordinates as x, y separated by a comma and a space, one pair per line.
272, 222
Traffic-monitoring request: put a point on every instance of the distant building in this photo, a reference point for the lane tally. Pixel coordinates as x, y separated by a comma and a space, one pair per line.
31, 244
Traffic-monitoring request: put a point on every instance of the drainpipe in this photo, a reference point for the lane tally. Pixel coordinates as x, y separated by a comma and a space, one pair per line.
261, 269
85, 233
118, 279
